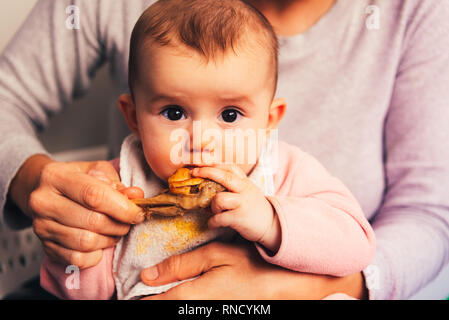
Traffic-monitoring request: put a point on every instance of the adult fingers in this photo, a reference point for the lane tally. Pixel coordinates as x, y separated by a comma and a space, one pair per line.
49, 205
60, 254
181, 292
72, 238
133, 192
184, 266
98, 196
105, 169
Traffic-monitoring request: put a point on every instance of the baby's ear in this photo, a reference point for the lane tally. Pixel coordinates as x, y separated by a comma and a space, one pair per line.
128, 109
277, 111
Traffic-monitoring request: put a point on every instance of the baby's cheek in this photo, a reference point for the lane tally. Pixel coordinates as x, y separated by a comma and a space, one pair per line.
157, 156
161, 165
240, 154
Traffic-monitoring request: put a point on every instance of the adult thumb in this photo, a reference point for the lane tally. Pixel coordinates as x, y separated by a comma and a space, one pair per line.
105, 171
181, 267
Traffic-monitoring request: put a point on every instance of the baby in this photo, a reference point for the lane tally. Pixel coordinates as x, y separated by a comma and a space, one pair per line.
201, 69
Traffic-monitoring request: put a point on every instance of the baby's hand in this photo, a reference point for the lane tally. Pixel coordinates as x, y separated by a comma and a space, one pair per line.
244, 208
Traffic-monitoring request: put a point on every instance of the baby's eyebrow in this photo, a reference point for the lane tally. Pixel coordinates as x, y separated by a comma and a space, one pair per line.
225, 100
164, 97
237, 100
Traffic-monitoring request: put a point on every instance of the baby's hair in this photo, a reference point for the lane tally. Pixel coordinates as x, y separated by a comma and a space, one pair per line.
209, 27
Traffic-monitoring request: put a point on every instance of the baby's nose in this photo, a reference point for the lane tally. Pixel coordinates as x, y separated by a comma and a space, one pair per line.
204, 139
203, 135
202, 145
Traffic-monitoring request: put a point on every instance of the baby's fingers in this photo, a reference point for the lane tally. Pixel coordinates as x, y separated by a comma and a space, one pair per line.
227, 179
225, 219
231, 168
224, 201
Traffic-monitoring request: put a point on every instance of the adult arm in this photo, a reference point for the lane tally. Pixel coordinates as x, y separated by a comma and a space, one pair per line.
252, 277
412, 226
45, 67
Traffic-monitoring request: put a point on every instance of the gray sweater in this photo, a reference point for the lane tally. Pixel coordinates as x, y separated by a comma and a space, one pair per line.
368, 98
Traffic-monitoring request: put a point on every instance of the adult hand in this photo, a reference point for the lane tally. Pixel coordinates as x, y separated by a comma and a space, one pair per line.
76, 207
236, 271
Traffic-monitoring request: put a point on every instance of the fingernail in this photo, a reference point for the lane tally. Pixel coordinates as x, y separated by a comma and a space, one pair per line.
151, 273
140, 217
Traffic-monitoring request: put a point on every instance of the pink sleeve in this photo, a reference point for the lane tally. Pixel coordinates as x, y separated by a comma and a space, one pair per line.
324, 230
95, 283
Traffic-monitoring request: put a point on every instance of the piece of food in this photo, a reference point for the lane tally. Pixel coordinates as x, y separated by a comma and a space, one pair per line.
181, 182
185, 194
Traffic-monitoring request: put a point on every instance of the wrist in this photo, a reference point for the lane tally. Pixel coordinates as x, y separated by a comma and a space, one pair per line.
271, 240
358, 287
352, 285
318, 286
26, 180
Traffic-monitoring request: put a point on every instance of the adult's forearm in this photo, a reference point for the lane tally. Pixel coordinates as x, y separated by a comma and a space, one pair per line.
352, 285
17, 146
413, 246
318, 286
40, 73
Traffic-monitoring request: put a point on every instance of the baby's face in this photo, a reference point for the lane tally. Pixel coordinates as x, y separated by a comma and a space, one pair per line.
185, 108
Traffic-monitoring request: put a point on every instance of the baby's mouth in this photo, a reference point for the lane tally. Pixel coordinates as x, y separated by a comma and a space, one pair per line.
198, 165
185, 194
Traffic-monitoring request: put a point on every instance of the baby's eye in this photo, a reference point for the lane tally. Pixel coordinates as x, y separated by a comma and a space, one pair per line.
230, 115
173, 113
